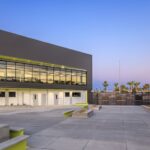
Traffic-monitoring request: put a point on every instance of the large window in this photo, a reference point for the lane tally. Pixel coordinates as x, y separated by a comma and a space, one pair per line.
36, 74
21, 72
11, 71
28, 73
2, 70
50, 75
74, 77
79, 78
43, 74
62, 76
68, 76
56, 75
83, 78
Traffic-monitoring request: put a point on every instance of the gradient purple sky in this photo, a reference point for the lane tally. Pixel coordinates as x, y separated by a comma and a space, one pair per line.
110, 30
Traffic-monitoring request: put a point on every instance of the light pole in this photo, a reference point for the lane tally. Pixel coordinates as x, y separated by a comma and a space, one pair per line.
119, 75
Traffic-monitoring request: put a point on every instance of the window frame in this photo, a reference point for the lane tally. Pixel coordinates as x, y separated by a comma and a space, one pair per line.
11, 92
2, 94
68, 94
75, 94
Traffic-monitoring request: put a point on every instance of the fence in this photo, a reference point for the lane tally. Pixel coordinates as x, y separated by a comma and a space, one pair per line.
113, 98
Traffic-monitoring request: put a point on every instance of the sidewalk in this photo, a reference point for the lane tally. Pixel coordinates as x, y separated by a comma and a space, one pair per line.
9, 110
112, 128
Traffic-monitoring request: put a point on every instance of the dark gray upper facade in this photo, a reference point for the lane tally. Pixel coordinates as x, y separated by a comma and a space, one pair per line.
14, 45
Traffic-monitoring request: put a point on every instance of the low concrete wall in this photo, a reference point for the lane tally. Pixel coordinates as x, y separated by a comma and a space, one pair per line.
68, 113
12, 138
83, 113
4, 132
17, 143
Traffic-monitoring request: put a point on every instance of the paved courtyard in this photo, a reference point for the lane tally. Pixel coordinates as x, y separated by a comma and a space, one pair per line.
111, 128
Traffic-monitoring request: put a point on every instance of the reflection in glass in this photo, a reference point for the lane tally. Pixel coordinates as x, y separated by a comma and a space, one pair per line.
10, 65
2, 70
43, 76
56, 75
2, 64
2, 74
68, 76
36, 76
83, 78
20, 72
74, 77
50, 75
62, 76
28, 73
14, 71
11, 74
79, 78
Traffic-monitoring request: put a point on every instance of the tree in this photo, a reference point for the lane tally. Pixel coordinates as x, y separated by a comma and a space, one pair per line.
116, 87
131, 85
123, 89
146, 87
105, 84
136, 86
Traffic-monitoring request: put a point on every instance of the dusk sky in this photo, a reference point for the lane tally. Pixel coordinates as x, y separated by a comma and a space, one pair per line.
110, 30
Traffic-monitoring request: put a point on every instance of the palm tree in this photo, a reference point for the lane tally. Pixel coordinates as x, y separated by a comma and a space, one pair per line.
136, 86
105, 84
116, 87
123, 88
131, 85
146, 87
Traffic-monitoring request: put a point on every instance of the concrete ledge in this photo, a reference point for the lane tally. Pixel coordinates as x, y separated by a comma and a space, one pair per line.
4, 132
83, 113
17, 143
95, 107
68, 113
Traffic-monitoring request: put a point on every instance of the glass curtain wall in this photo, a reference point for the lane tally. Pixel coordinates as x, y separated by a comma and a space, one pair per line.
68, 76
56, 75
11, 74
2, 70
20, 72
62, 76
36, 74
28, 73
50, 75
43, 74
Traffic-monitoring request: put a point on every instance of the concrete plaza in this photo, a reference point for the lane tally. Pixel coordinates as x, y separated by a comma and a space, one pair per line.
111, 128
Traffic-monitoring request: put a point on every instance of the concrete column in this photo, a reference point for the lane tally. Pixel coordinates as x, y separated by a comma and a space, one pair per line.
6, 97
